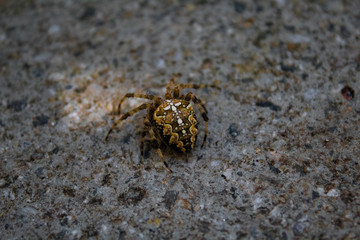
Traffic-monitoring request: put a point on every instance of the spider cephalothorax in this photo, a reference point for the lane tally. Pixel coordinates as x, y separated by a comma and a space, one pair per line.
170, 120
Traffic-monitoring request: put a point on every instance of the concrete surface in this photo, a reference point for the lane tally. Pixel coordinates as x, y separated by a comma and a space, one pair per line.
282, 156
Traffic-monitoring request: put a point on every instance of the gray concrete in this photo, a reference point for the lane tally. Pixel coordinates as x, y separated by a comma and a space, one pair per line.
282, 156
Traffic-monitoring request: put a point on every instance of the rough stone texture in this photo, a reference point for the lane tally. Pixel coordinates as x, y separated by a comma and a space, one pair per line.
282, 156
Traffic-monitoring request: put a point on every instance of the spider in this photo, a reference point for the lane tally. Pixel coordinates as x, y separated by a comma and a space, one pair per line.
170, 120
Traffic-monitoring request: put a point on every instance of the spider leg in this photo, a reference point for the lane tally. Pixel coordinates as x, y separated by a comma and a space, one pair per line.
147, 127
181, 86
126, 115
163, 159
143, 152
202, 109
133, 95
170, 85
156, 143
153, 137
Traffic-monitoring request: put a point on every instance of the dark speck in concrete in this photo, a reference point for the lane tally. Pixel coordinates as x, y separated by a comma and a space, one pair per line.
304, 76
289, 28
239, 6
284, 236
345, 33
36, 156
247, 80
308, 146
241, 234
106, 180
275, 170
90, 232
115, 62
96, 201
132, 196
259, 8
60, 235
88, 13
300, 227
40, 172
234, 192
40, 120
233, 130
18, 105
315, 195
332, 129
55, 150
300, 170
126, 139
122, 234
331, 27
268, 104
204, 226
288, 68
38, 72
170, 198
68, 191
348, 93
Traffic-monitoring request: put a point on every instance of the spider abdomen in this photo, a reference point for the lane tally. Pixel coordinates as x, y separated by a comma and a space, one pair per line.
176, 121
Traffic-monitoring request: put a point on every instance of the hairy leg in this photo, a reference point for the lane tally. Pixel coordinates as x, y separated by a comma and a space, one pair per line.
125, 116
181, 86
154, 139
170, 85
133, 95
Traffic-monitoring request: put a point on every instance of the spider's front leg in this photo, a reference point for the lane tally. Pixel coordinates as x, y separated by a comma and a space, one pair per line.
181, 86
170, 85
125, 116
132, 95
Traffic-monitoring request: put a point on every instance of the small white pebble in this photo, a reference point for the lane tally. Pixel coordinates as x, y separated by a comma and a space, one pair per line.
257, 203
42, 57
2, 182
2, 37
56, 76
227, 173
215, 163
54, 29
280, 3
333, 193
161, 63
310, 94
76, 233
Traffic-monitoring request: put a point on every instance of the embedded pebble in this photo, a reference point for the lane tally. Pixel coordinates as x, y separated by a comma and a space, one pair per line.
42, 57
54, 29
161, 63
310, 94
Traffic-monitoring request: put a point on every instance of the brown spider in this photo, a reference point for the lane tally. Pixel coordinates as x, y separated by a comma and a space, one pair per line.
170, 120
